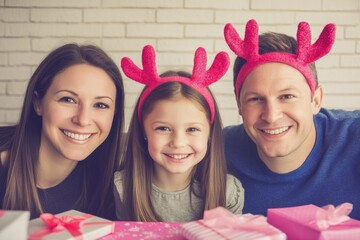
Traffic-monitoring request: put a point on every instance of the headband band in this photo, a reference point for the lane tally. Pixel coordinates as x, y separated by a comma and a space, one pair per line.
306, 52
201, 78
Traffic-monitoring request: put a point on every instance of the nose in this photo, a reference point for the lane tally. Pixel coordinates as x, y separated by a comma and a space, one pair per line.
272, 111
177, 140
82, 116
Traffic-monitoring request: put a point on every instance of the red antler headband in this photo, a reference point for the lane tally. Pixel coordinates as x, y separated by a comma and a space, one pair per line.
306, 53
199, 81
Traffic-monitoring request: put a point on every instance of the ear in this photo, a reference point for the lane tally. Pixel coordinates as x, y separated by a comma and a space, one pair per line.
317, 99
37, 104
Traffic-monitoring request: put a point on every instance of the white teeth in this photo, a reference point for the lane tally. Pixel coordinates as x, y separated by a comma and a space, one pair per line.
276, 131
76, 136
178, 156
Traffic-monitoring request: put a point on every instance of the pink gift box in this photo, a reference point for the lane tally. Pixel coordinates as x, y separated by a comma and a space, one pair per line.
14, 224
145, 230
71, 224
220, 223
311, 222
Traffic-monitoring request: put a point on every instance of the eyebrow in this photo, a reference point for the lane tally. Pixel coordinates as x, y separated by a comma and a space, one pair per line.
75, 94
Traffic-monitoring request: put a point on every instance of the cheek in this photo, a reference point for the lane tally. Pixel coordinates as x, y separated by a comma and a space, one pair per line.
201, 144
250, 115
155, 144
105, 121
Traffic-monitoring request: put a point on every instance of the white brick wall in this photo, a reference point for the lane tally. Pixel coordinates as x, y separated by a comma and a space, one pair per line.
30, 29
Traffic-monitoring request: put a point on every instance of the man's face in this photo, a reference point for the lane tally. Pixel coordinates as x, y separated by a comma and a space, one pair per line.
277, 109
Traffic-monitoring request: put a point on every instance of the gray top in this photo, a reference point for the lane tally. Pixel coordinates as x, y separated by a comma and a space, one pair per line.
178, 206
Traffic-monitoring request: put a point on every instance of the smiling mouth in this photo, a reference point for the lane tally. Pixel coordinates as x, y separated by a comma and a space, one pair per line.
275, 131
178, 156
77, 136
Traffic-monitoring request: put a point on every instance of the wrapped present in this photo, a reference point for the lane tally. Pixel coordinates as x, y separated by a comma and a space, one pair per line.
71, 224
145, 230
312, 222
14, 224
219, 223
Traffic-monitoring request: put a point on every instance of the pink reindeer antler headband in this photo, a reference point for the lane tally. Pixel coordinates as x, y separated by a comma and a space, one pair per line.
306, 52
201, 78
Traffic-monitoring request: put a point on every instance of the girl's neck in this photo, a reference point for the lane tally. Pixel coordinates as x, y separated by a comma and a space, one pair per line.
170, 182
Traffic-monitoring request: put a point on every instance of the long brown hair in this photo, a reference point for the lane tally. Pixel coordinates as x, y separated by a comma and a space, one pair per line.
22, 141
138, 165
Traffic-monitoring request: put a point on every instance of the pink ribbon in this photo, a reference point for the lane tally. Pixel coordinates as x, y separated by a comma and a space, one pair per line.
329, 215
72, 224
220, 218
2, 212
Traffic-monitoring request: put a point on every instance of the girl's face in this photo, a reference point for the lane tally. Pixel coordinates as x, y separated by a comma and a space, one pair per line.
177, 132
77, 113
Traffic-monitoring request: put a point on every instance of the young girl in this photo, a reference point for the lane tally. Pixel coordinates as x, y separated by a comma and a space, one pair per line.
64, 151
174, 167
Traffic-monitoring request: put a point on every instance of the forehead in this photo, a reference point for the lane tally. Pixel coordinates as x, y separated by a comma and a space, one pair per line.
84, 78
274, 76
177, 109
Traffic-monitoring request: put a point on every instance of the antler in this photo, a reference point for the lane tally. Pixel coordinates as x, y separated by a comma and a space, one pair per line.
216, 71
146, 76
247, 48
201, 78
308, 53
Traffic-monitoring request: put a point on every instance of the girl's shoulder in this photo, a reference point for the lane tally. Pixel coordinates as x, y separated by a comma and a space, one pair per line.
234, 194
118, 177
3, 156
233, 184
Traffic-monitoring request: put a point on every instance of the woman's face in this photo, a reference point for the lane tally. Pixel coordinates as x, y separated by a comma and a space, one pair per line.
77, 113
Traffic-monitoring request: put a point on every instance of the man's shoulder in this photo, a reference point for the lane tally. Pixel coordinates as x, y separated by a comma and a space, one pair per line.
338, 114
231, 129
338, 119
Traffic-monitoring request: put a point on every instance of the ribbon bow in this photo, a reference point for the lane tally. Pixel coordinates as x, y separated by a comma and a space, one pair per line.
220, 218
72, 224
329, 215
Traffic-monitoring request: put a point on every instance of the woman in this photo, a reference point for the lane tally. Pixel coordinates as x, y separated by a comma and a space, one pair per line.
63, 152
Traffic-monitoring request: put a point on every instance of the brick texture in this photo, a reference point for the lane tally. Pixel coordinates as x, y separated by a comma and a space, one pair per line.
31, 29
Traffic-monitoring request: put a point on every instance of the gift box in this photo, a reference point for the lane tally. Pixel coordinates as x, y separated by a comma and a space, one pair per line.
14, 224
312, 222
145, 230
71, 224
219, 223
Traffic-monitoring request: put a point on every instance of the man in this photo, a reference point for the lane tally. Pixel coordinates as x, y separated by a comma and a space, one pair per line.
289, 151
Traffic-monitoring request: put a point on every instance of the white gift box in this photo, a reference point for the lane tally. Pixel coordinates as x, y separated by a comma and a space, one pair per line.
91, 227
14, 224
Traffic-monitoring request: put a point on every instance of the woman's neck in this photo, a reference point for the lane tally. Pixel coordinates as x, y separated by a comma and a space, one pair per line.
50, 171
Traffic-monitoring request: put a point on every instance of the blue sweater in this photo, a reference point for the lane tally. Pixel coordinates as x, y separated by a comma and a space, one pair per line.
330, 174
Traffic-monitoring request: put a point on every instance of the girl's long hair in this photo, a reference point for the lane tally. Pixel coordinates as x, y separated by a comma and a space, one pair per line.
22, 141
210, 173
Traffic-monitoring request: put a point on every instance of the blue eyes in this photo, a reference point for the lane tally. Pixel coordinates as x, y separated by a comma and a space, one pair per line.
261, 99
163, 129
167, 129
72, 100
102, 105
67, 100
